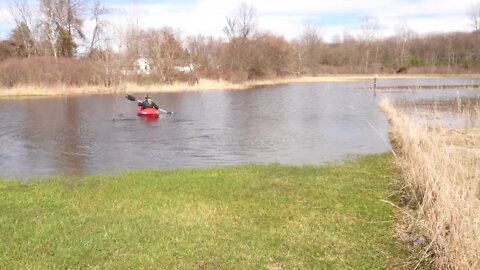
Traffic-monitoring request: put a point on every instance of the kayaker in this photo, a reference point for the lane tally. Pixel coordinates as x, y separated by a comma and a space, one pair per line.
147, 103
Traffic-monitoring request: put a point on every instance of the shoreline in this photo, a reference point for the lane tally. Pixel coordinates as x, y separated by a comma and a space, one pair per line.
204, 85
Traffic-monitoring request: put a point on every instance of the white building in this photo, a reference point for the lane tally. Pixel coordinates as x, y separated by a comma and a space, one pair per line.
143, 65
185, 69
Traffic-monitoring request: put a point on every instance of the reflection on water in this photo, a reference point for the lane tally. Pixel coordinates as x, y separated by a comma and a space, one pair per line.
291, 124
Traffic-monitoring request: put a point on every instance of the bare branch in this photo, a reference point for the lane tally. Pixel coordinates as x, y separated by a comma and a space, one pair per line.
22, 33
475, 16
247, 17
370, 28
62, 23
98, 11
243, 24
230, 29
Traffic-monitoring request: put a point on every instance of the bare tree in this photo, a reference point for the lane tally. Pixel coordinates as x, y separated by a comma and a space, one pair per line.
3, 17
24, 23
240, 30
49, 23
299, 53
130, 35
450, 52
247, 18
62, 22
164, 48
98, 11
172, 52
475, 16
230, 29
311, 42
273, 54
243, 24
403, 35
74, 24
204, 53
369, 31
202, 50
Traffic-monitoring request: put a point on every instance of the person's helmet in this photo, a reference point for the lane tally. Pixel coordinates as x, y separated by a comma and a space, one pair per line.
147, 96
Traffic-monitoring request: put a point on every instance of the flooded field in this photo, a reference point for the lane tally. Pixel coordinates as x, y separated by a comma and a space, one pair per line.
291, 124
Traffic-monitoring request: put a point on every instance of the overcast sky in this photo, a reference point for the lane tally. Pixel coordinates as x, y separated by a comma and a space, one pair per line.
288, 18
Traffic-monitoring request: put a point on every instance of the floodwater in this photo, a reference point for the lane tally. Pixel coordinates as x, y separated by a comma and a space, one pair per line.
295, 124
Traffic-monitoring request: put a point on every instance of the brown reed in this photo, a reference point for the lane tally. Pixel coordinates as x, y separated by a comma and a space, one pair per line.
441, 169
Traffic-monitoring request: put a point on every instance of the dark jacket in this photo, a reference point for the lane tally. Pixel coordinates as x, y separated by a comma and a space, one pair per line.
148, 104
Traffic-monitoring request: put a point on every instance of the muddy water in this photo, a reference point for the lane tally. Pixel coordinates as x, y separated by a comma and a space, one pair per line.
292, 124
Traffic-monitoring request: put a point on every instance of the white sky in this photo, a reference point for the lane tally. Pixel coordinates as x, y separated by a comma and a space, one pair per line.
287, 18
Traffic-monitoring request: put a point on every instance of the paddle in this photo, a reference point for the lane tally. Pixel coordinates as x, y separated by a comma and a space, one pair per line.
132, 98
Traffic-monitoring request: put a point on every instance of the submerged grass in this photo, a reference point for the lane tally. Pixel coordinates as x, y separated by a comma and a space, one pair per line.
252, 217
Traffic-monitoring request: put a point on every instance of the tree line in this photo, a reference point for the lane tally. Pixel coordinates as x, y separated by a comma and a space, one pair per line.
44, 47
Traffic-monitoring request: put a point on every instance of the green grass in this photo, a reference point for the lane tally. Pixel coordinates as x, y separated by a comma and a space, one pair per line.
251, 217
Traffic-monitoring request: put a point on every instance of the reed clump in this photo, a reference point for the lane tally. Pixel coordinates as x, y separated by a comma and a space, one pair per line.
441, 169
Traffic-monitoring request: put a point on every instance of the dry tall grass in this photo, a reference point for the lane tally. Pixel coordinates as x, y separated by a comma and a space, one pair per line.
127, 87
203, 85
441, 168
51, 71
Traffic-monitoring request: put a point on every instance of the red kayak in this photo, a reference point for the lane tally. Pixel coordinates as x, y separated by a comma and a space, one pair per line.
152, 112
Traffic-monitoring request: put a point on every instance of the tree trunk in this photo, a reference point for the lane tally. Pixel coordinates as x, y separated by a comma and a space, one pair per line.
299, 61
402, 54
366, 60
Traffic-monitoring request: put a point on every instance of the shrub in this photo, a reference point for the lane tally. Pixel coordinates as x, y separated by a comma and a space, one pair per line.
414, 61
50, 71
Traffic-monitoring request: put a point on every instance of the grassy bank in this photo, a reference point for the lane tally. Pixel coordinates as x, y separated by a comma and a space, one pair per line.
252, 217
441, 169
203, 85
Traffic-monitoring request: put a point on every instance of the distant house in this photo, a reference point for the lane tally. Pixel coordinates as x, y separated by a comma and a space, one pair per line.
143, 65
185, 69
